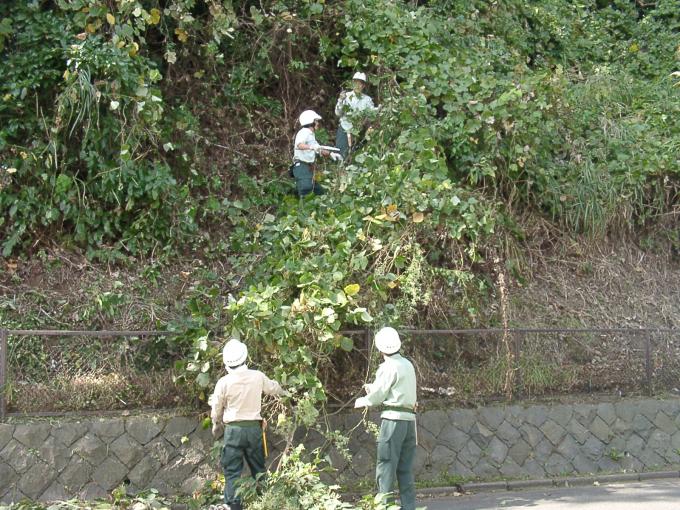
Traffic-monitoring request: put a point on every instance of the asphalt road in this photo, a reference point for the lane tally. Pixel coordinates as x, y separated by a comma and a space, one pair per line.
648, 495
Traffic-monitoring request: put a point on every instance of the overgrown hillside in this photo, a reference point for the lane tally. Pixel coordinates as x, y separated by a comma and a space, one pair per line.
144, 148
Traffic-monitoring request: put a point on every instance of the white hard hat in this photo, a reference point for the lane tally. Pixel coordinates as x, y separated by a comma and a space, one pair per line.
308, 117
234, 353
387, 340
360, 76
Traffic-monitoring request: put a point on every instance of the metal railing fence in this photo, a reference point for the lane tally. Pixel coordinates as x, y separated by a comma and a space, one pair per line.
505, 363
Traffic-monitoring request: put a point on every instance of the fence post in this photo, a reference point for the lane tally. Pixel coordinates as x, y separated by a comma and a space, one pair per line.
648, 363
3, 374
517, 347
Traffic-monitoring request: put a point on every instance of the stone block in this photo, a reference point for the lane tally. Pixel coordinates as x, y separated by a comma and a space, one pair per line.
607, 464
626, 410
34, 481
91, 449
630, 463
363, 463
534, 468
128, 451
452, 437
68, 432
536, 415
18, 456
460, 469
569, 448
55, 492
7, 477
515, 415
543, 450
420, 461
427, 440
76, 475
492, 416
434, 421
484, 469
497, 451
54, 454
161, 450
553, 432
606, 412
585, 413
593, 448
204, 437
531, 434
441, 458
191, 485
601, 430
650, 459
558, 465
481, 435
142, 474
92, 491
658, 441
470, 455
507, 433
463, 419
6, 433
648, 408
561, 414
108, 429
179, 427
642, 426
577, 431
621, 428
32, 435
109, 474
519, 451
337, 460
582, 464
634, 445
511, 469
663, 422
144, 428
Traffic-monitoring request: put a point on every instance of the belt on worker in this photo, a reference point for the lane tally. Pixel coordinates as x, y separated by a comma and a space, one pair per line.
245, 423
400, 409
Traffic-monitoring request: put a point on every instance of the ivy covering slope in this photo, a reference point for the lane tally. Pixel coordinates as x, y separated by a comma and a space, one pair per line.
493, 116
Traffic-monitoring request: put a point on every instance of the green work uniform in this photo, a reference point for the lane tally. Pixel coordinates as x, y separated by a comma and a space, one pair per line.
395, 388
241, 440
342, 142
304, 179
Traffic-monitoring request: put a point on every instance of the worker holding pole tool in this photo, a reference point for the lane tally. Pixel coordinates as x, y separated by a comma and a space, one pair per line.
350, 103
305, 150
394, 389
235, 405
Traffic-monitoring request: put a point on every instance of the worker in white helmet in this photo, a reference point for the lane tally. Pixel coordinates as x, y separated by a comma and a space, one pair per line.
235, 409
305, 149
394, 389
351, 104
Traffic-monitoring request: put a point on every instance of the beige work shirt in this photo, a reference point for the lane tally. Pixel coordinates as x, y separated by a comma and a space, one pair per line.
238, 395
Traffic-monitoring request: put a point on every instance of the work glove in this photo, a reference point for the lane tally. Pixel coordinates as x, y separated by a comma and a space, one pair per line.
217, 429
336, 157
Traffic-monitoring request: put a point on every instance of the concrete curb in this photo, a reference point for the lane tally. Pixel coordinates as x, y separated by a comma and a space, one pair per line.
569, 481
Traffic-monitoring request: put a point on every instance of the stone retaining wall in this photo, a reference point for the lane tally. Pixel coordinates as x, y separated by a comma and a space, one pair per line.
87, 458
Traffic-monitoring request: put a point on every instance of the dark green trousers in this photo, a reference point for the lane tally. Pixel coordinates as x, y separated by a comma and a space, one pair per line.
396, 453
240, 442
304, 180
342, 142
